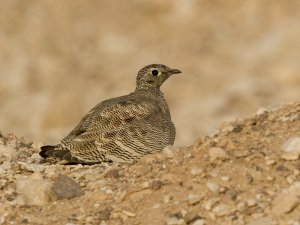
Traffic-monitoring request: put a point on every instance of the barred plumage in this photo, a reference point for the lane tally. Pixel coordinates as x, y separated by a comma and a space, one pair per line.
122, 129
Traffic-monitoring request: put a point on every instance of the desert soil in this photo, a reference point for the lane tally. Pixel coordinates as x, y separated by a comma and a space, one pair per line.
246, 173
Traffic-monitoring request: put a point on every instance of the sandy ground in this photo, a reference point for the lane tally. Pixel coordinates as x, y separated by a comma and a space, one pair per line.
59, 58
246, 173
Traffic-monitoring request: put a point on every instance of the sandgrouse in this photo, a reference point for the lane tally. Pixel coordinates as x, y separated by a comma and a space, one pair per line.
122, 129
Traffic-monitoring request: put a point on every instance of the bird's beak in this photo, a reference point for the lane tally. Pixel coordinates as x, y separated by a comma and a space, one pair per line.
174, 71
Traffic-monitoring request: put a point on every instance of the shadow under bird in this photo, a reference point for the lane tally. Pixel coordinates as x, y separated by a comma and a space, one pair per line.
122, 129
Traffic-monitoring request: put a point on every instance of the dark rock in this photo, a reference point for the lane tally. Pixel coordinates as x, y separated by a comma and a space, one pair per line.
65, 188
104, 214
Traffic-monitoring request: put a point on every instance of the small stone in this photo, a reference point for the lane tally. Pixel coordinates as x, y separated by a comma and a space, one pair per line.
103, 223
249, 178
211, 203
156, 184
237, 128
35, 157
51, 171
4, 167
213, 186
284, 203
196, 171
222, 210
217, 153
270, 162
225, 178
262, 221
198, 222
290, 155
9, 152
241, 153
128, 213
34, 167
261, 111
168, 151
191, 217
251, 202
167, 199
2, 220
290, 180
194, 199
112, 173
295, 188
293, 222
175, 221
65, 187
241, 206
292, 145
226, 127
105, 214
33, 192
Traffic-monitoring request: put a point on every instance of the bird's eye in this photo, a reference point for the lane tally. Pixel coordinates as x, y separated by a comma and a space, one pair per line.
154, 72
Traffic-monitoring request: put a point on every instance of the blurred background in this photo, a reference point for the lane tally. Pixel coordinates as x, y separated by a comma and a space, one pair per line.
59, 58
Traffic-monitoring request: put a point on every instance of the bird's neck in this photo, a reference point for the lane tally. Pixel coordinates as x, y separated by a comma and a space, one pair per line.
150, 90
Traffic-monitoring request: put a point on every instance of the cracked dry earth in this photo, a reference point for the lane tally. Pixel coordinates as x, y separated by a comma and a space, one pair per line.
247, 173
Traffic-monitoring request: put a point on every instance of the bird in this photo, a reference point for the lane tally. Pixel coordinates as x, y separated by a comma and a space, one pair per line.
122, 129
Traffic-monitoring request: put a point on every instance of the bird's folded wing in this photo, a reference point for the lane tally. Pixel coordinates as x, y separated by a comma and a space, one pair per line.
108, 119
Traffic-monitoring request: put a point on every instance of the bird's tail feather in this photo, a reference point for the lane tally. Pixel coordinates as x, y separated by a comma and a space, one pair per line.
47, 151
50, 151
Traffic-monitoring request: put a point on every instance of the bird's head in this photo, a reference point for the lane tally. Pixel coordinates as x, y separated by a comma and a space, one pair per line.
154, 75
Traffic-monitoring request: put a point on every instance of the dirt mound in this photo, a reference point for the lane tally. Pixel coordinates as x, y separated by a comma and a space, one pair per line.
247, 173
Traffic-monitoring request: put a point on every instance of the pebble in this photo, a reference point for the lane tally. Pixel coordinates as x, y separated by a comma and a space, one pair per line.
65, 188
33, 167
168, 151
270, 162
2, 220
285, 203
198, 222
213, 186
8, 152
292, 145
290, 155
175, 221
193, 199
196, 171
191, 217
290, 179
222, 209
217, 153
32, 191
261, 110
4, 167
211, 203
51, 170
251, 202
249, 178
293, 222
262, 221
128, 213
225, 178
295, 188
241, 206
